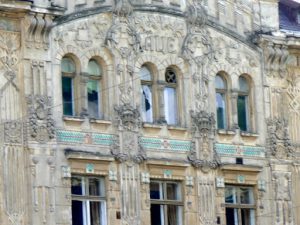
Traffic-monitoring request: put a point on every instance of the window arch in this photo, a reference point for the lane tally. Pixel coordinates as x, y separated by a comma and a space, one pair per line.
94, 87
170, 96
68, 70
146, 94
243, 104
221, 103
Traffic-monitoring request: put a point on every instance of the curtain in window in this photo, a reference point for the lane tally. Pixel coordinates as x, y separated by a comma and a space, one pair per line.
147, 112
93, 98
170, 105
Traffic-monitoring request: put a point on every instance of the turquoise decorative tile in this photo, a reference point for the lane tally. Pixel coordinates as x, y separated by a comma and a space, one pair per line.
240, 150
163, 144
77, 137
70, 136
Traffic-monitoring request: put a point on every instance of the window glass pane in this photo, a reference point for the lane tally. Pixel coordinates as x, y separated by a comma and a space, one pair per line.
96, 187
170, 76
145, 74
77, 186
170, 105
230, 195
242, 112
243, 84
147, 113
67, 93
156, 190
157, 214
67, 65
96, 213
94, 68
174, 215
220, 83
232, 216
93, 98
173, 191
79, 213
246, 195
221, 110
247, 216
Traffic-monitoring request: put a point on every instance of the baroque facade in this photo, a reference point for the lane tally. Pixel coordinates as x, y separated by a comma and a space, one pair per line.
149, 112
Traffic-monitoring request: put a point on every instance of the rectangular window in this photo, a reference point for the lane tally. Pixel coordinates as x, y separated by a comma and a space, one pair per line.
221, 110
88, 201
166, 203
242, 105
67, 93
170, 105
240, 205
147, 112
93, 98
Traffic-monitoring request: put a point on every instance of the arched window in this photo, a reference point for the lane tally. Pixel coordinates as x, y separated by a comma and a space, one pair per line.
243, 104
94, 89
68, 70
170, 96
221, 91
146, 94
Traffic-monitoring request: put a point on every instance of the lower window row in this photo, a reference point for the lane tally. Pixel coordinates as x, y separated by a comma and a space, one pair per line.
89, 202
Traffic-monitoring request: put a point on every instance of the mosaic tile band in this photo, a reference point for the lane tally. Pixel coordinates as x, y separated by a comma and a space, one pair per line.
238, 150
164, 144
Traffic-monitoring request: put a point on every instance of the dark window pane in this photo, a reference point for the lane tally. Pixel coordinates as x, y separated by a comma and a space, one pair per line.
174, 215
157, 214
230, 195
96, 213
247, 216
155, 192
221, 112
67, 93
246, 196
173, 191
78, 212
95, 187
231, 216
242, 112
77, 186
170, 76
93, 98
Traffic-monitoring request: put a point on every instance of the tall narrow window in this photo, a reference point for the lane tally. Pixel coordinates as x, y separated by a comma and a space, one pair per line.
146, 94
170, 96
68, 74
240, 205
88, 201
221, 89
94, 89
166, 203
243, 104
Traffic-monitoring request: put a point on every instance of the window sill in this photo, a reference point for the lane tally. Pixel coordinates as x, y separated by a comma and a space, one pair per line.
100, 121
73, 118
248, 134
226, 132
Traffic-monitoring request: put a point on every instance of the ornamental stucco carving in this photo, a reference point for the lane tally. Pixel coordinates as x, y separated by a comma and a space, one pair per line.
127, 146
13, 132
202, 154
41, 123
278, 138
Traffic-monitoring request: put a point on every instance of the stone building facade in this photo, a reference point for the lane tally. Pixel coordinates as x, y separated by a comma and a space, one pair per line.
149, 112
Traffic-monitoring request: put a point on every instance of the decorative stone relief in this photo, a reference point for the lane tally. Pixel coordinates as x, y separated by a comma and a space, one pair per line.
283, 200
9, 57
39, 26
127, 145
14, 180
206, 201
43, 191
276, 58
13, 132
202, 154
278, 138
41, 123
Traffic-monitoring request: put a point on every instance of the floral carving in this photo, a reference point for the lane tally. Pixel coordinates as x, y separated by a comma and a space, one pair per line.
203, 122
128, 118
279, 137
13, 132
41, 124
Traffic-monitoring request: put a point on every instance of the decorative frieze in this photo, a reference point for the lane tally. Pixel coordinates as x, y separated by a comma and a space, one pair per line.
77, 137
164, 144
239, 150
